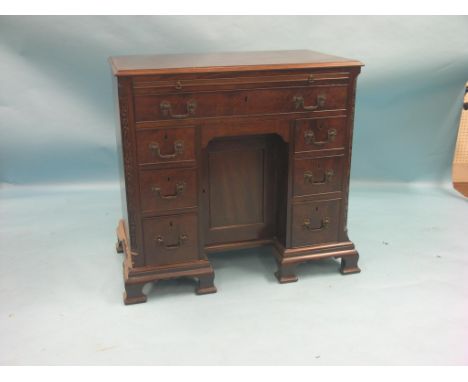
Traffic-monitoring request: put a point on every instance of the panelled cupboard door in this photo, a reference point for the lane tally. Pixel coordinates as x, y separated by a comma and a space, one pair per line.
241, 190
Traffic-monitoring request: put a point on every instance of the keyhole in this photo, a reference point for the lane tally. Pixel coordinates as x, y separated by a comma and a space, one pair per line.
168, 179
316, 209
165, 136
246, 98
170, 224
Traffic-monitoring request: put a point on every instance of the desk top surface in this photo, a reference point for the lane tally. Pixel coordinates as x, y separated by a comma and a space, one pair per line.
225, 62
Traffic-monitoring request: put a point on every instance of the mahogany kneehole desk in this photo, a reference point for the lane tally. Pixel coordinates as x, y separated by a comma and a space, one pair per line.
232, 150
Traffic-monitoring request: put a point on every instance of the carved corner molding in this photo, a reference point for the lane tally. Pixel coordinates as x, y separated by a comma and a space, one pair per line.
128, 159
351, 108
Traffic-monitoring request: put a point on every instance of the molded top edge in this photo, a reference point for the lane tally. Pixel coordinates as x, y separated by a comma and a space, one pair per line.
225, 62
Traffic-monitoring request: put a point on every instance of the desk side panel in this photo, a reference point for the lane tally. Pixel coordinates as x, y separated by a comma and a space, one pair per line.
120, 160
347, 176
126, 145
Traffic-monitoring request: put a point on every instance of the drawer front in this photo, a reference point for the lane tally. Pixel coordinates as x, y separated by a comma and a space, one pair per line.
186, 83
243, 102
315, 222
318, 175
170, 239
167, 145
163, 190
319, 134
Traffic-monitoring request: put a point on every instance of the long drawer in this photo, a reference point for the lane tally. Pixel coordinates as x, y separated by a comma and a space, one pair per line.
222, 81
242, 102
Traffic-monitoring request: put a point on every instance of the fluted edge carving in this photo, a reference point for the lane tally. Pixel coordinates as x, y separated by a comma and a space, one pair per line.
350, 149
127, 145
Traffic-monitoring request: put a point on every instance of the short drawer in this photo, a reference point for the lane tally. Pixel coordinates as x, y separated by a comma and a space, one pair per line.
315, 222
166, 145
242, 102
320, 134
163, 190
318, 175
170, 239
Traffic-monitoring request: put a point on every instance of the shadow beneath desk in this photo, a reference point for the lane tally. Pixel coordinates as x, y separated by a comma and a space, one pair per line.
236, 265
241, 266
170, 288
260, 261
245, 263
319, 268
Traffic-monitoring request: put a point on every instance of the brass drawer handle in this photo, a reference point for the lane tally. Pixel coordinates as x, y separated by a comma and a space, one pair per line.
324, 223
299, 103
178, 149
309, 137
327, 177
182, 239
180, 188
166, 109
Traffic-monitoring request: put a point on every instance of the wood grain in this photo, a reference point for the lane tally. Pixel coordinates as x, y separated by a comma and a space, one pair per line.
139, 65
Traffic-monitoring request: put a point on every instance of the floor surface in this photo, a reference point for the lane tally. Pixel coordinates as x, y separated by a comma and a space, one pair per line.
61, 290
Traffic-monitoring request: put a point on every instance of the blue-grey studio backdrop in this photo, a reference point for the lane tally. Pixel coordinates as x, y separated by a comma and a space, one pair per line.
56, 115
61, 282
